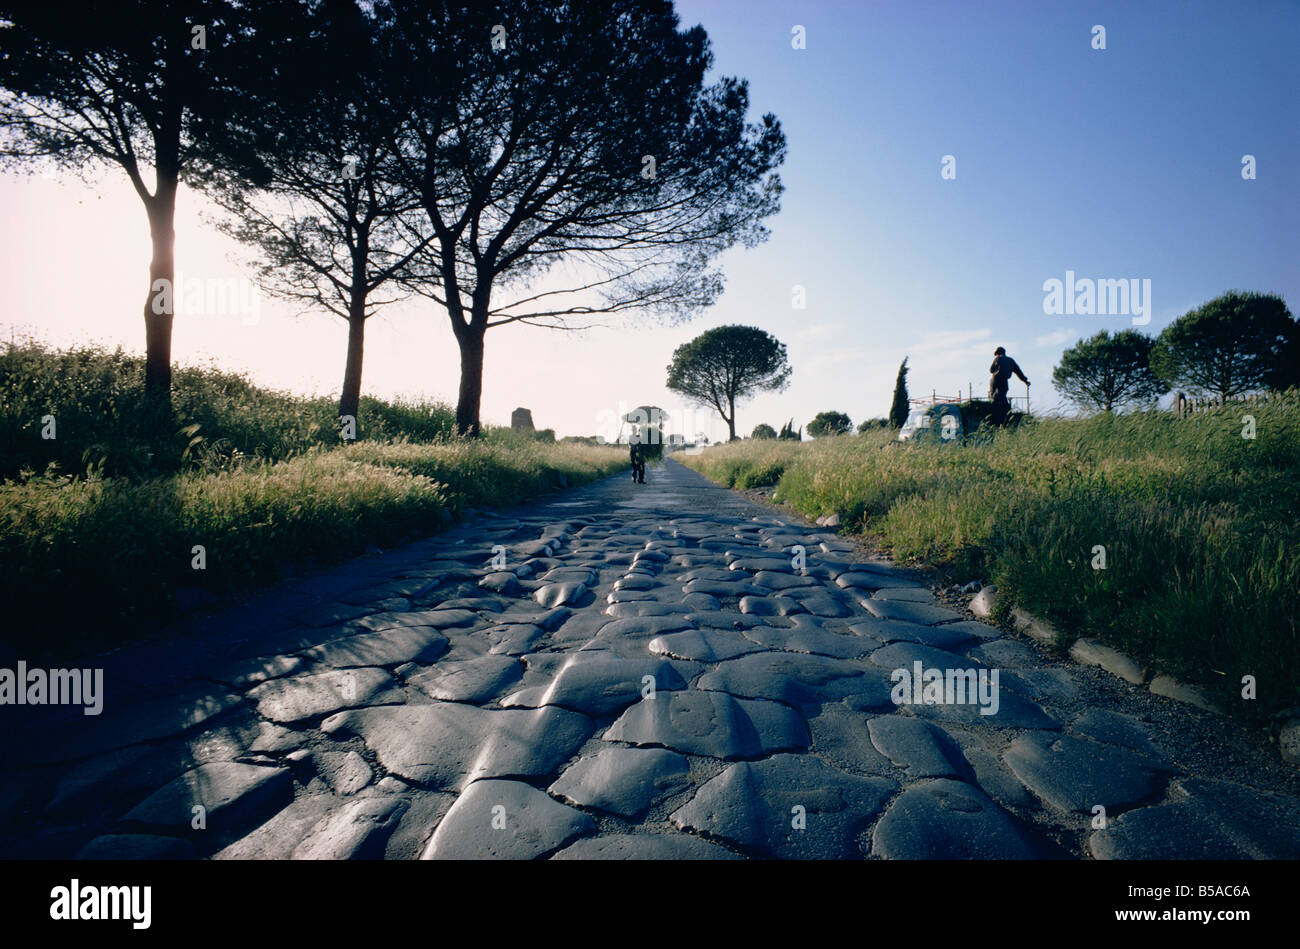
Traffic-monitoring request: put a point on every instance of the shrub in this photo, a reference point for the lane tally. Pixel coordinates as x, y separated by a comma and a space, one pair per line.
830, 423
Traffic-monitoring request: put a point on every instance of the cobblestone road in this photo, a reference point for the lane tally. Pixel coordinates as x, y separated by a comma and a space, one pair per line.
664, 671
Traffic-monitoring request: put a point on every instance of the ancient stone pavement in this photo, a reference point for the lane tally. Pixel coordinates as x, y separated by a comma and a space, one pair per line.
621, 671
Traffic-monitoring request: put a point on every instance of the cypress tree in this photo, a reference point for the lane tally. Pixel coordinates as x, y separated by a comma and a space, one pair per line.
898, 412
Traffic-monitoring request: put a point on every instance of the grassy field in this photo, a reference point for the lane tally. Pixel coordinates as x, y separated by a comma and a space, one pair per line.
1200, 527
95, 398
91, 553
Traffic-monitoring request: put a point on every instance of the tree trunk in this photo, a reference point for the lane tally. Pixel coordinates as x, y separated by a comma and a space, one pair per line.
471, 380
158, 326
350, 401
731, 419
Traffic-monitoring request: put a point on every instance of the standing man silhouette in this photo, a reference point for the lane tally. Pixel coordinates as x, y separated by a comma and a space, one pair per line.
1002, 369
638, 464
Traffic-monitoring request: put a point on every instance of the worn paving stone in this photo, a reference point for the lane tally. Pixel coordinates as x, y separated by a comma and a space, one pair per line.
643, 627
644, 608
416, 824
447, 745
925, 750
276, 839
644, 847
704, 645
1073, 774
634, 540
1115, 728
597, 683
235, 797
904, 655
357, 831
389, 647
478, 603
470, 680
1013, 711
550, 620
946, 819
993, 778
970, 703
332, 613
840, 738
536, 548
727, 619
706, 573
631, 596
813, 639
624, 781
1209, 820
711, 723
752, 564
227, 739
581, 626
736, 588
695, 602
504, 820
773, 580
793, 678
566, 593
505, 582
893, 631
346, 772
514, 640
770, 605
922, 613
583, 575
633, 581
1042, 685
249, 672
973, 628
296, 699
439, 619
909, 594
861, 580
871, 694
1005, 653
790, 806
821, 604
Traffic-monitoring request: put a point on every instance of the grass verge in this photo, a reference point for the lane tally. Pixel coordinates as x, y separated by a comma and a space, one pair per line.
1198, 526
84, 563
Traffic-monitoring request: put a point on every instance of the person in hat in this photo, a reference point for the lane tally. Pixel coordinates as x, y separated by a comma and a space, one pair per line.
1001, 371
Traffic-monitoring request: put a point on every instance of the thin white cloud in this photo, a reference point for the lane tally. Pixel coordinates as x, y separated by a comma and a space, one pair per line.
1057, 338
816, 332
951, 340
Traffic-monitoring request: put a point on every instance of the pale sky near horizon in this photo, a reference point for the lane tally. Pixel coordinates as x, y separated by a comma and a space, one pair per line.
1122, 163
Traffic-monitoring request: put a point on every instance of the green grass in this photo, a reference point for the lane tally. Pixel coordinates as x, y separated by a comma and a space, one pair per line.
96, 399
89, 560
1199, 524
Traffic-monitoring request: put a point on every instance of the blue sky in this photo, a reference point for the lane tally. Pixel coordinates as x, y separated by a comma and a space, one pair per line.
1114, 164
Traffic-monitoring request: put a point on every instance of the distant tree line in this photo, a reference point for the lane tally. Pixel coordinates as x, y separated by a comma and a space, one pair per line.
1236, 343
